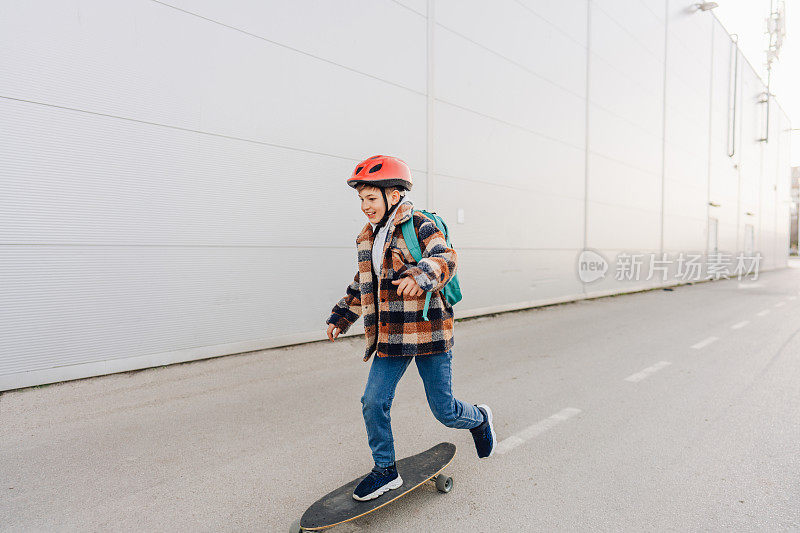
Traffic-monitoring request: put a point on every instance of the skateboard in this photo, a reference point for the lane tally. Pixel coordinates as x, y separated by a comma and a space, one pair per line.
339, 506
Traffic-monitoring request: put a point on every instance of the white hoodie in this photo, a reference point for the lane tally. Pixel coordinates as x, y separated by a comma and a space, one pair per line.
380, 239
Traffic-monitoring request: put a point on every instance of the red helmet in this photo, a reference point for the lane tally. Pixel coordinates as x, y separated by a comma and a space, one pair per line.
382, 171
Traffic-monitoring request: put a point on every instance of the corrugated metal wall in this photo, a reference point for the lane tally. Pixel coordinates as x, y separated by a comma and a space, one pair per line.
172, 173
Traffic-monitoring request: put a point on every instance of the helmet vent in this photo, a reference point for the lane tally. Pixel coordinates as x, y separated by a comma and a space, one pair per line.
376, 168
359, 169
374, 157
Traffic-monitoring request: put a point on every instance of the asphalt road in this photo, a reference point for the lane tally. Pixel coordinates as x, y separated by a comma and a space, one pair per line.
656, 411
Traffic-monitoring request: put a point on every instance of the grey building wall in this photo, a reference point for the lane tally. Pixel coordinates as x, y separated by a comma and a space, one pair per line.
172, 173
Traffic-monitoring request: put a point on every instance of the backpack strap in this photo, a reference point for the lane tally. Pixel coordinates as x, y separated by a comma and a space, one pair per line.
412, 242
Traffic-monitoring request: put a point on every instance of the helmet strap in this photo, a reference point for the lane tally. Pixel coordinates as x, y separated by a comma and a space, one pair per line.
385, 218
386, 211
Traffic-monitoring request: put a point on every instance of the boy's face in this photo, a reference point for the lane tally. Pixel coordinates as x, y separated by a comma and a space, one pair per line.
372, 202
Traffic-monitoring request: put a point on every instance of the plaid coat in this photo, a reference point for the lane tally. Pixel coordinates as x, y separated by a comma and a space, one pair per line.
398, 327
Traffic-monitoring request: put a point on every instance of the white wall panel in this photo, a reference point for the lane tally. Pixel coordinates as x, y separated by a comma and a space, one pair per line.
685, 199
687, 101
616, 183
67, 305
172, 173
493, 279
511, 30
624, 165
472, 77
380, 38
636, 51
754, 180
630, 96
88, 55
733, 196
510, 217
103, 181
418, 6
606, 220
687, 125
686, 234
569, 17
477, 147
689, 42
614, 137
780, 133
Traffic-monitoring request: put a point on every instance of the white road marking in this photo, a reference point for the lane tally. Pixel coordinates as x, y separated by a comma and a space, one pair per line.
704, 343
780, 304
764, 312
538, 428
639, 376
740, 325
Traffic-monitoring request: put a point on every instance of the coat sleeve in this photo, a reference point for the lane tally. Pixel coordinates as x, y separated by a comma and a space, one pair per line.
438, 263
348, 309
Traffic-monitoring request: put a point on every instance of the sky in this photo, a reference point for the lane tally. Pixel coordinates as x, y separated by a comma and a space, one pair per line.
747, 19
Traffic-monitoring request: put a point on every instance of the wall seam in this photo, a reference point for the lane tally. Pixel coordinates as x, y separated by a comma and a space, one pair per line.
586, 133
710, 135
429, 103
664, 124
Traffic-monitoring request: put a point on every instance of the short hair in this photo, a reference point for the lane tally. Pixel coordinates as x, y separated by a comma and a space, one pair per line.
388, 190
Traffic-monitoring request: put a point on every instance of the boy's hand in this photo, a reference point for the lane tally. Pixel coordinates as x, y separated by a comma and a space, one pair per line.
408, 287
333, 331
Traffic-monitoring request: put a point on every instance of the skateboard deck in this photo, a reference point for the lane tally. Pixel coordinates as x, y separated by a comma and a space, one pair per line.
339, 506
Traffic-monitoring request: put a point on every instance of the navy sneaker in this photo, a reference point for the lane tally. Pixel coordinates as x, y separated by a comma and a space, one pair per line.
377, 482
483, 435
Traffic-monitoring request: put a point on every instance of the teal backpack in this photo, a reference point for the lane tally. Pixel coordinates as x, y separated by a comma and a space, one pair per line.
452, 290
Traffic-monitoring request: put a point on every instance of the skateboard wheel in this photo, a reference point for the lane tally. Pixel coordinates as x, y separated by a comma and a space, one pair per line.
444, 483
295, 527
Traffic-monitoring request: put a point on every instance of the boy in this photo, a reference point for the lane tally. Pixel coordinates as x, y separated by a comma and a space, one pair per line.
389, 289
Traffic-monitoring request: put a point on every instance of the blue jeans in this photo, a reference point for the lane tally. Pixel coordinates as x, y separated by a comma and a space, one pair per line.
385, 373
